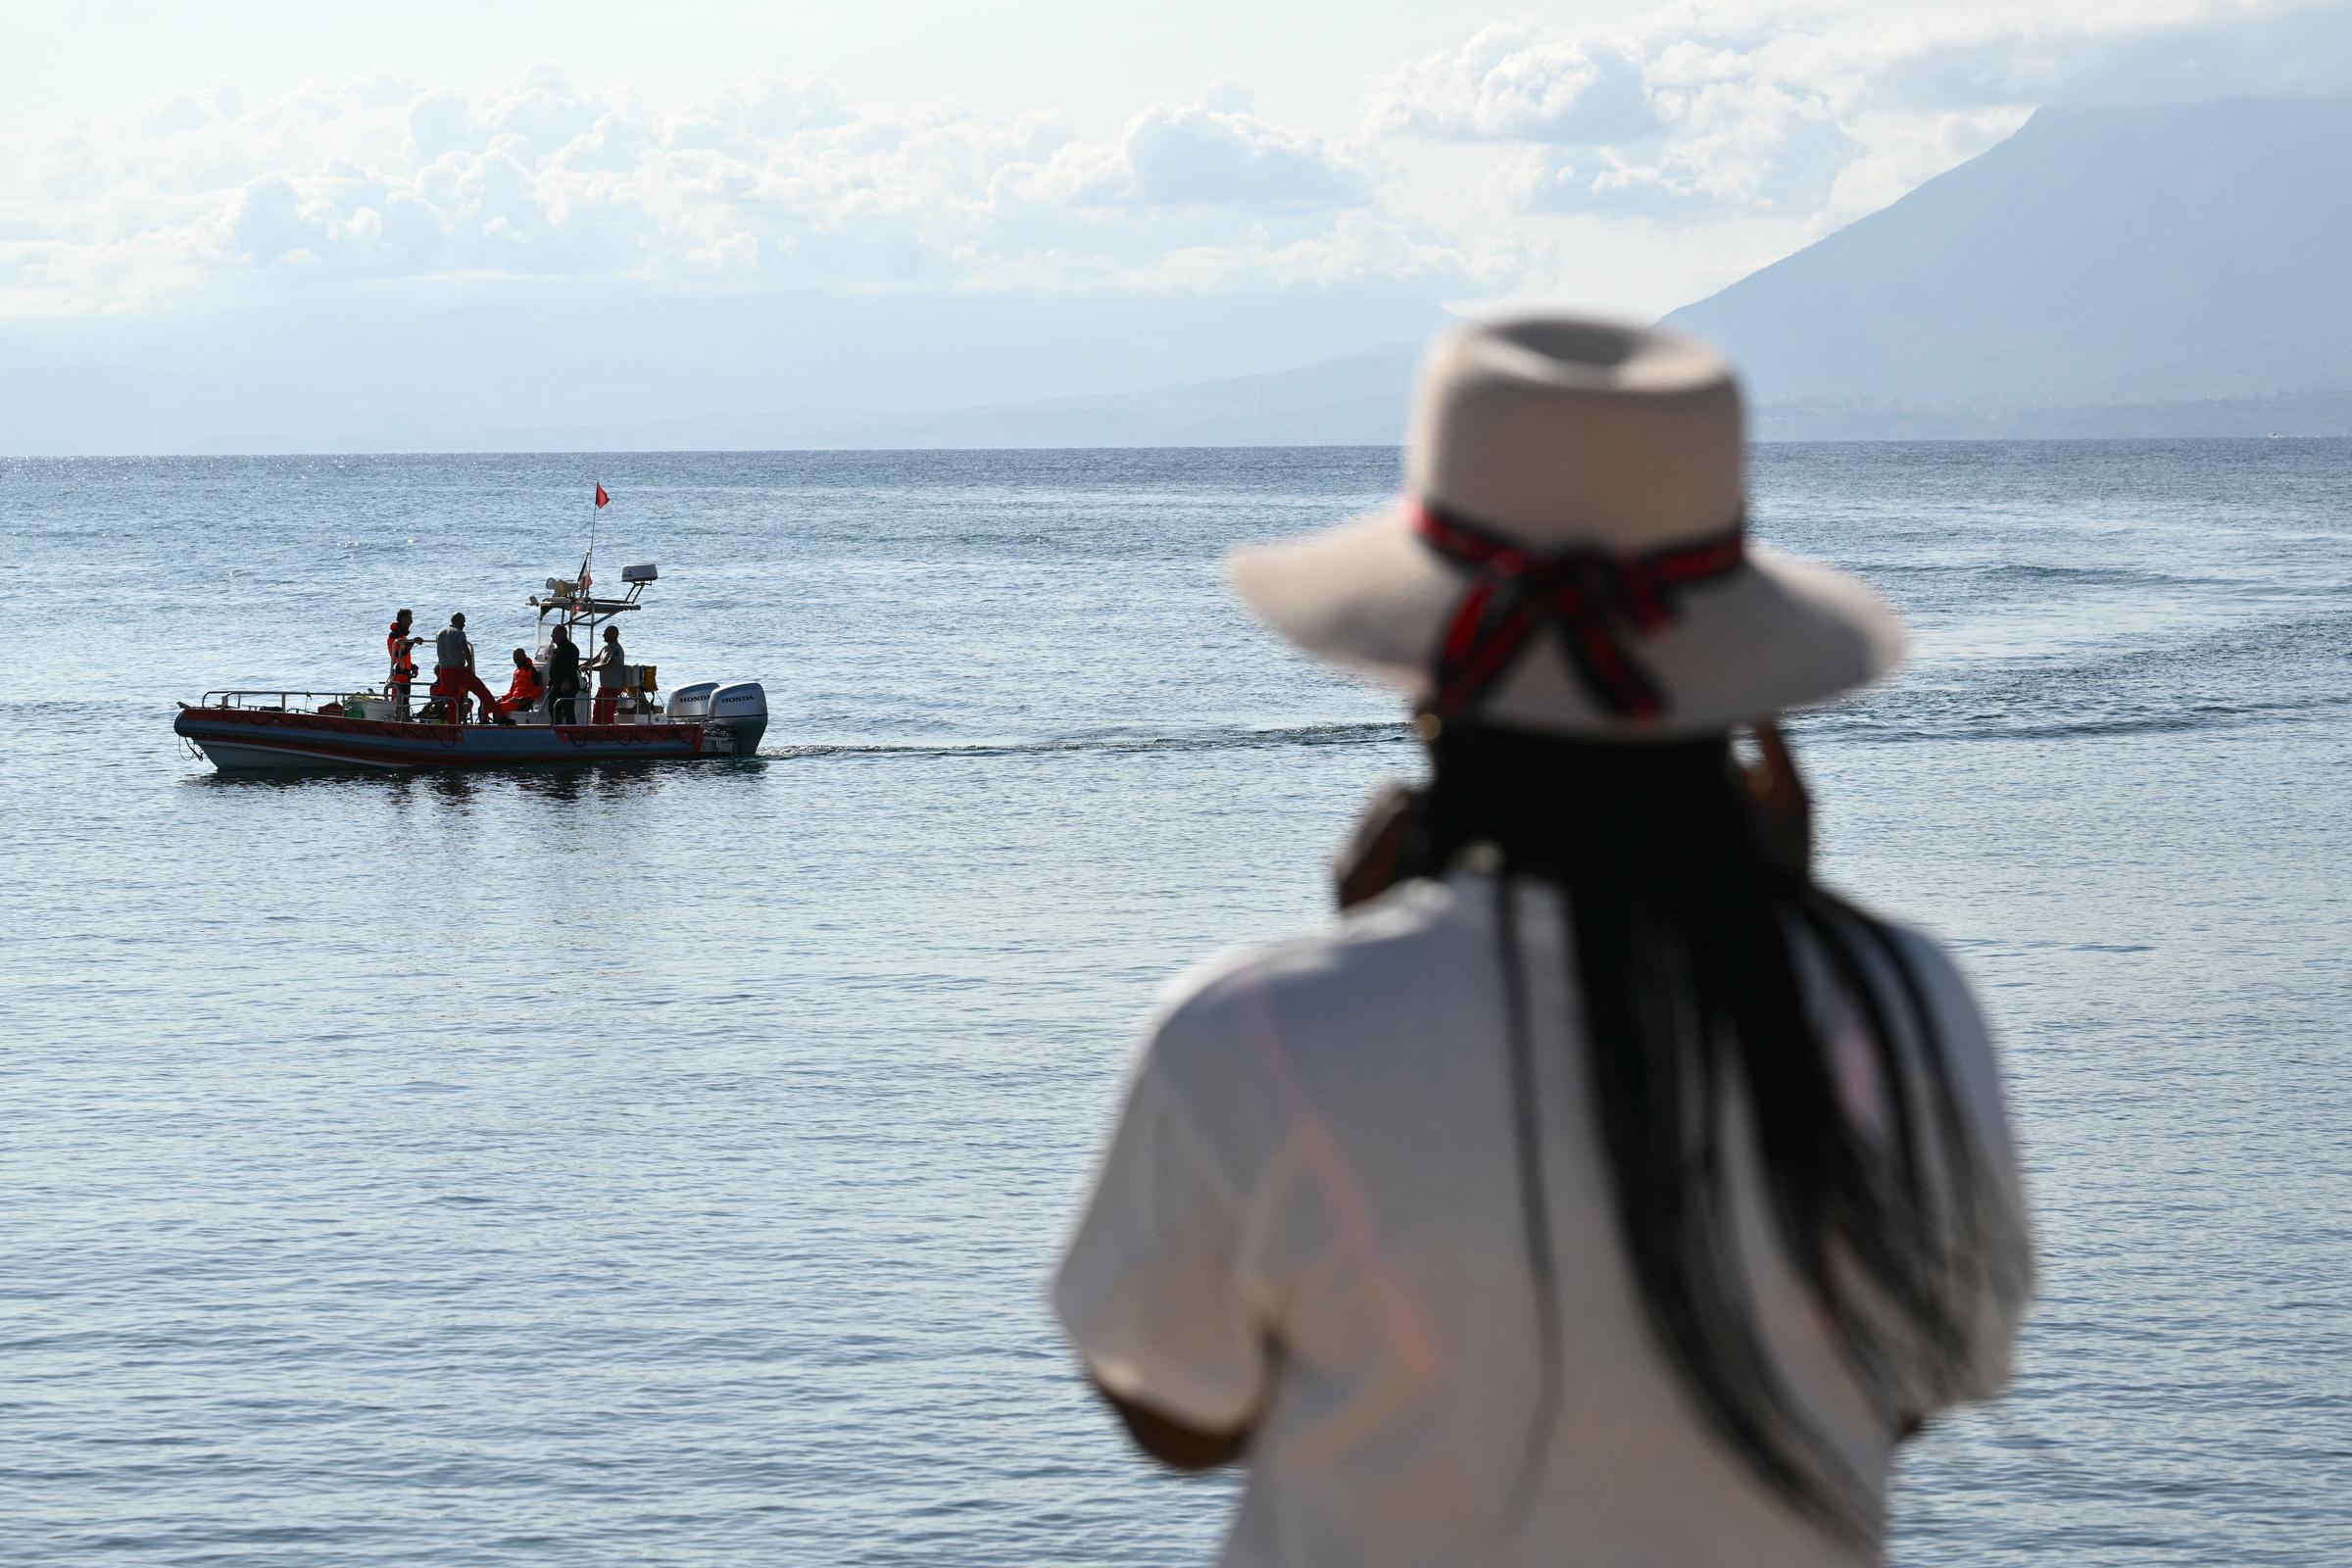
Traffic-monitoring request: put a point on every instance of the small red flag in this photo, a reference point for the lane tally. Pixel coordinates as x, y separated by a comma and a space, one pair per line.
603, 498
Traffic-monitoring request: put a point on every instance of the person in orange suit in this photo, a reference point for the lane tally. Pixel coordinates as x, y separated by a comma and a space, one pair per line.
400, 644
524, 689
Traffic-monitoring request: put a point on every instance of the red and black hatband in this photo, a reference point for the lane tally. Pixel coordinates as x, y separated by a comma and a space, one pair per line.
1590, 597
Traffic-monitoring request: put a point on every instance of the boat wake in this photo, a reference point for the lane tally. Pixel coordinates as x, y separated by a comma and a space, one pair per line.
1211, 738
1861, 728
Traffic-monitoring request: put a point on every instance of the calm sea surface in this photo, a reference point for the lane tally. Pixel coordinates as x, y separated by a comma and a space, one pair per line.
663, 1165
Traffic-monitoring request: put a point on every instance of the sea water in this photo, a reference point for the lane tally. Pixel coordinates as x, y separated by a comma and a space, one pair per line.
662, 1164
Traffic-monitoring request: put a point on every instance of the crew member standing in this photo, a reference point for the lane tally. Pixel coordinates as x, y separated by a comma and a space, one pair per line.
612, 676
402, 646
562, 679
454, 679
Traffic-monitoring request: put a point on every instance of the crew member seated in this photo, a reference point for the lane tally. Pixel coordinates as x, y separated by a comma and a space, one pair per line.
524, 690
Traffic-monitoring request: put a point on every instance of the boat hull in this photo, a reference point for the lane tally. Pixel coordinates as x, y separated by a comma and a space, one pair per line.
251, 740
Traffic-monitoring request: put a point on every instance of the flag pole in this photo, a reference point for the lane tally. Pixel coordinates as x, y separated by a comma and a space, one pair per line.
595, 510
583, 601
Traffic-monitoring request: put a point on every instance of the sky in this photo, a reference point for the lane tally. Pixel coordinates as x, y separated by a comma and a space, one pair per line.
950, 182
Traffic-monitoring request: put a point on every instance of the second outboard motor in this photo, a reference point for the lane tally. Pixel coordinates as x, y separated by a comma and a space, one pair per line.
741, 706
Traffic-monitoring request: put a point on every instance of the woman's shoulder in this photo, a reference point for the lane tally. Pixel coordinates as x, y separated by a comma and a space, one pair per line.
1397, 940
1910, 957
1903, 960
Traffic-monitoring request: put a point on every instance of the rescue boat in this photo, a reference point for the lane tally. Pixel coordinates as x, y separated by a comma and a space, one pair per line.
376, 728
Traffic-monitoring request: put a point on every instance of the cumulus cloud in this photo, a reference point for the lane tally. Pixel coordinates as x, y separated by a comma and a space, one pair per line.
1510, 83
1212, 152
1744, 107
1499, 163
769, 183
1201, 156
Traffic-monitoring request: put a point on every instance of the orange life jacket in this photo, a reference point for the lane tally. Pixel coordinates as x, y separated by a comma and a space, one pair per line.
524, 687
404, 657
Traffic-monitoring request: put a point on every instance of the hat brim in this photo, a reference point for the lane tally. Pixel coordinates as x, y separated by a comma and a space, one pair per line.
1780, 632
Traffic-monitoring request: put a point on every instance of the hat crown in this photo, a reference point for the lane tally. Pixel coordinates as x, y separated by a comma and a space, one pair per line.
1565, 431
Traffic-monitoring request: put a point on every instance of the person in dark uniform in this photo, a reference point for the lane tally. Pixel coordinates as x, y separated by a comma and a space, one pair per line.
402, 648
562, 679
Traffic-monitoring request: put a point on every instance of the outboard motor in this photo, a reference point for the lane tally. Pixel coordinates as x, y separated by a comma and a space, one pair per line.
692, 701
741, 708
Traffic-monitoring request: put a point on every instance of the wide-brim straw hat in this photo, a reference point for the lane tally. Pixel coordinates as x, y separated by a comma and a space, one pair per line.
1570, 551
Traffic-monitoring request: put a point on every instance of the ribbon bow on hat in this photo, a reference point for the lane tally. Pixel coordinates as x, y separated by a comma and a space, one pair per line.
1589, 598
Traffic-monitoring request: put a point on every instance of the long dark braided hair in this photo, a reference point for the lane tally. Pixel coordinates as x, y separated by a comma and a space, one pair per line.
1683, 955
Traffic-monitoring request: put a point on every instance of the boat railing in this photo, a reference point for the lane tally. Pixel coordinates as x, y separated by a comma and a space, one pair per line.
257, 701
333, 702
646, 711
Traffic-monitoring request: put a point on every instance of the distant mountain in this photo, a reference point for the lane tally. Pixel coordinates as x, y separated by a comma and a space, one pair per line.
2182, 270
2101, 259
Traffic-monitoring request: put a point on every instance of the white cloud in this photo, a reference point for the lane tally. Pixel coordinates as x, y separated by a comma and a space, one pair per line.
769, 183
1214, 151
1829, 107
1508, 83
1205, 155
1632, 163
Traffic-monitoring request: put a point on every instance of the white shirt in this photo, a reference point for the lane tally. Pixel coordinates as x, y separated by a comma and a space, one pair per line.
610, 673
1317, 1152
